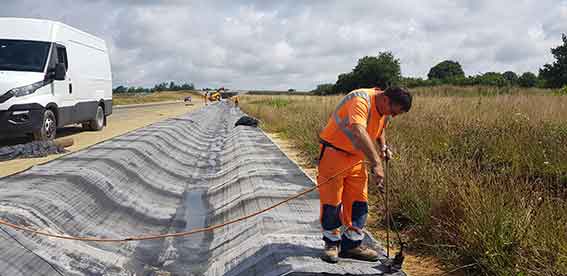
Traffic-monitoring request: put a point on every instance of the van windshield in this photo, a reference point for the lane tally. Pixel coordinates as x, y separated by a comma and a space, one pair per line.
23, 55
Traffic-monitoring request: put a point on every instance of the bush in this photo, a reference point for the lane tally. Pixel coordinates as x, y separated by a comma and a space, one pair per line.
528, 79
562, 91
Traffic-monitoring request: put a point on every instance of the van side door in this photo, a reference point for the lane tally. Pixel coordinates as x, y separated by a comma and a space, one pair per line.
62, 89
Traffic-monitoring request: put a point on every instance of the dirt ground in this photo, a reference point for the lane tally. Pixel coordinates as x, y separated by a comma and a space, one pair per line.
414, 265
123, 119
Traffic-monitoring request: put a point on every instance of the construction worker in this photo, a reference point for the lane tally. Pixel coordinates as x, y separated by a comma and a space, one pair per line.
348, 138
236, 100
205, 96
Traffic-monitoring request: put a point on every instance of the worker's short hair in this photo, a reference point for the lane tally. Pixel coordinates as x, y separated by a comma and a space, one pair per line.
399, 96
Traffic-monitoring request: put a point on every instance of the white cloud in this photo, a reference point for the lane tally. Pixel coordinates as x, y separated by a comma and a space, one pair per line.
299, 44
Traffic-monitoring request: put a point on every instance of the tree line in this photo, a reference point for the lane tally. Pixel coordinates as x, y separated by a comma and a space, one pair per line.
384, 71
164, 86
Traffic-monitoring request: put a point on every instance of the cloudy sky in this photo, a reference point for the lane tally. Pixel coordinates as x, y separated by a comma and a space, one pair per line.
281, 44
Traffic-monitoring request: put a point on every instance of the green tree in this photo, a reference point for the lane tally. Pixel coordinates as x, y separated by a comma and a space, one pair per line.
120, 89
173, 87
527, 79
187, 86
446, 70
555, 74
511, 77
381, 71
324, 89
160, 87
346, 82
141, 90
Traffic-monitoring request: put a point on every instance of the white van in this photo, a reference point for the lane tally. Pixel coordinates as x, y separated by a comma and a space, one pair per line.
51, 75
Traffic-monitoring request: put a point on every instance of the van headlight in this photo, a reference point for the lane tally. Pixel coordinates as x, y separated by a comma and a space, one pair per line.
28, 89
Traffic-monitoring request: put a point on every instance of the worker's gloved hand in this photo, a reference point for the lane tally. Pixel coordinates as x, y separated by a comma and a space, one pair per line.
378, 173
385, 152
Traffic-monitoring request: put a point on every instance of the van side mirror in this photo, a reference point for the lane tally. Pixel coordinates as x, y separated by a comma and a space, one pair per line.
60, 71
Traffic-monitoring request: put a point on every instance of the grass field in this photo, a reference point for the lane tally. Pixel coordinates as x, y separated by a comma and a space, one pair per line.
479, 174
154, 97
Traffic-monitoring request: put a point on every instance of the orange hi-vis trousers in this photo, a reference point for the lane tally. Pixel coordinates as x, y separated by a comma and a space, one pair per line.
344, 199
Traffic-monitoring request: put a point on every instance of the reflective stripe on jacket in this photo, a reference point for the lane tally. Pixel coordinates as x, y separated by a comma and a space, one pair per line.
357, 107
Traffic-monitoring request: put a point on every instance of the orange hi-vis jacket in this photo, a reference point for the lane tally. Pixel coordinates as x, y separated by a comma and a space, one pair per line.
357, 107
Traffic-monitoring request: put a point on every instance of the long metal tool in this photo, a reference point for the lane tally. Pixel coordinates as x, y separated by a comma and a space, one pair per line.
387, 188
396, 263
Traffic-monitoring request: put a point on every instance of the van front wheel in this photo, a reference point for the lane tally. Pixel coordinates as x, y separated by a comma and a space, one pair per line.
48, 127
98, 122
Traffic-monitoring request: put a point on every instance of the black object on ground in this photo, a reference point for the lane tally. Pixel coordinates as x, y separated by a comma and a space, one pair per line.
246, 121
30, 150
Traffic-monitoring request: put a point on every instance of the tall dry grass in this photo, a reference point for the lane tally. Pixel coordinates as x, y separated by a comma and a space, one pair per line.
477, 179
127, 99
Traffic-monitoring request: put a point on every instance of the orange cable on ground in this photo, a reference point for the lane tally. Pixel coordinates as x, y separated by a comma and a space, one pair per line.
179, 234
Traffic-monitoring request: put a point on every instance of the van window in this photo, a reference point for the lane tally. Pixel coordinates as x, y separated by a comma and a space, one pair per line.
22, 55
62, 56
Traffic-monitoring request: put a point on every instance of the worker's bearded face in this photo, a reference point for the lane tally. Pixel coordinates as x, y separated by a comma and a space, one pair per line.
395, 109
387, 107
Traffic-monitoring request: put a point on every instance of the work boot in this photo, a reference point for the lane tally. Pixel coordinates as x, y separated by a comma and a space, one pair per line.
330, 253
362, 253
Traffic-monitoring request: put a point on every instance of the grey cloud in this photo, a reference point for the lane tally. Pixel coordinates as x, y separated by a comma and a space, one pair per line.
515, 51
556, 22
299, 44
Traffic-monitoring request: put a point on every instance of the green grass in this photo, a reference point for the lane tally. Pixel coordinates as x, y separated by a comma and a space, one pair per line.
476, 91
273, 102
481, 179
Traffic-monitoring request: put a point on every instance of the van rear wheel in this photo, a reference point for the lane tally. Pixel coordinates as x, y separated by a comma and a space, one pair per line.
48, 128
98, 122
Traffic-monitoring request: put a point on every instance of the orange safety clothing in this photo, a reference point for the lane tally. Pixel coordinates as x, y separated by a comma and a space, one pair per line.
357, 107
344, 199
